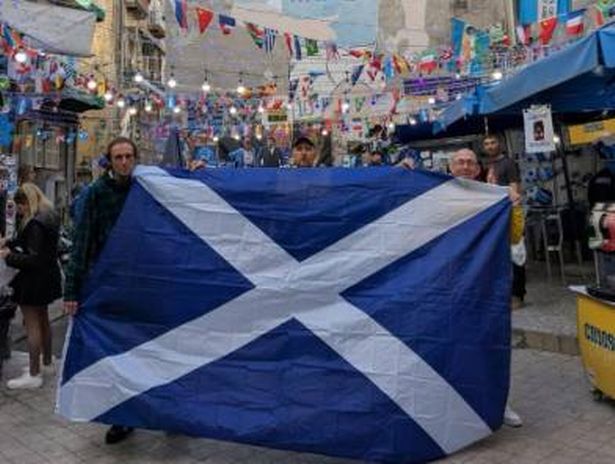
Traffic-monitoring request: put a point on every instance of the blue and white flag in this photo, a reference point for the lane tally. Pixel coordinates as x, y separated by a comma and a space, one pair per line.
269, 40
359, 313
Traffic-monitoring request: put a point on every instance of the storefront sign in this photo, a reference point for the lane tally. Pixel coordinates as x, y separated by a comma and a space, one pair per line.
591, 132
539, 137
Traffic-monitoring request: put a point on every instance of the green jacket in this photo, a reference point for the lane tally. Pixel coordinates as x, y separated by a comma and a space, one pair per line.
103, 204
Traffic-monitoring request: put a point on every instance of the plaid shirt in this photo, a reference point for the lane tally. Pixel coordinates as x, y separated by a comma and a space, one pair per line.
103, 204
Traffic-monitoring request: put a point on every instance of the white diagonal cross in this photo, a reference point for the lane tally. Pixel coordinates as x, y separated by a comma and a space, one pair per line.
308, 291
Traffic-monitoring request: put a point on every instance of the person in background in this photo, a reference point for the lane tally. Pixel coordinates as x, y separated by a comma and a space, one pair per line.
103, 205
244, 157
270, 155
304, 153
26, 173
34, 252
376, 159
464, 164
503, 171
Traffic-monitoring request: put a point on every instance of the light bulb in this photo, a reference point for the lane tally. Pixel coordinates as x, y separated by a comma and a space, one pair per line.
412, 121
216, 139
21, 56
108, 96
148, 108
92, 84
457, 76
261, 109
556, 140
289, 106
459, 96
171, 83
132, 111
497, 75
345, 107
431, 101
324, 132
206, 87
391, 126
177, 110
121, 103
241, 89
259, 136
233, 110
236, 137
138, 78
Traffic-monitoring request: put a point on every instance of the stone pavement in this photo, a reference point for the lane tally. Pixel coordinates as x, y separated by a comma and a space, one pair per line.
563, 425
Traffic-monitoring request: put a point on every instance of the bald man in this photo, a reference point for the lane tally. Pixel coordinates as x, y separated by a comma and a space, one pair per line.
464, 164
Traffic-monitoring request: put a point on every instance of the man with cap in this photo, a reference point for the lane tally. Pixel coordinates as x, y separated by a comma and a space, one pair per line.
304, 152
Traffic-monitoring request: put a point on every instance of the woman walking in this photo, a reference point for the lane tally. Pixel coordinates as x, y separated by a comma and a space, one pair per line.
35, 253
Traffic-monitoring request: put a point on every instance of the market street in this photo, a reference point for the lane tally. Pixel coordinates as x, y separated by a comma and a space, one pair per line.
562, 425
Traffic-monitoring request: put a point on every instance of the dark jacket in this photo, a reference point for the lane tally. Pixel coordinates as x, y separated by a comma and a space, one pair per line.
35, 253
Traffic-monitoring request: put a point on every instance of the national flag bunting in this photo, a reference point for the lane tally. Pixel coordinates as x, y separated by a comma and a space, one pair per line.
204, 18
428, 62
547, 28
181, 13
311, 47
269, 39
257, 33
575, 22
227, 24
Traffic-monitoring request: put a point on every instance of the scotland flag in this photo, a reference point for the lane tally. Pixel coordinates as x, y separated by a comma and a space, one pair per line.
357, 313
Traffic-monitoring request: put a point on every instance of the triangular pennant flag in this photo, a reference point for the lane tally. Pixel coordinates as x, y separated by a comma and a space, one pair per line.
257, 34
311, 47
297, 46
288, 39
181, 13
227, 24
401, 65
356, 73
524, 34
204, 18
547, 28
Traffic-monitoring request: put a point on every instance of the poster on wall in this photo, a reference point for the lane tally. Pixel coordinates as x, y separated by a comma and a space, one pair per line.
539, 136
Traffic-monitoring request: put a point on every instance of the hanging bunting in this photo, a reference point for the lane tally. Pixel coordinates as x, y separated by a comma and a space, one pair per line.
257, 34
204, 18
428, 62
356, 74
311, 47
332, 53
605, 9
575, 22
270, 39
547, 28
227, 24
401, 64
181, 13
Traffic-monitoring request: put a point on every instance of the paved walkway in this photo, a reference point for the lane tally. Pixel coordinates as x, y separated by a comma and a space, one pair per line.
563, 425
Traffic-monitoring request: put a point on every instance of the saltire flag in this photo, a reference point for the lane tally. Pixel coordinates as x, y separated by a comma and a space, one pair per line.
227, 24
204, 18
257, 33
269, 39
535, 11
547, 28
575, 22
370, 322
181, 13
605, 9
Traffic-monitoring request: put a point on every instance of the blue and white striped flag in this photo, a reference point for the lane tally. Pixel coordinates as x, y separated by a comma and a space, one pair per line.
269, 39
358, 313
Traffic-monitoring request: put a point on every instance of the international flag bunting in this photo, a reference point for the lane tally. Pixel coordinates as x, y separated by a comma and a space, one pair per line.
233, 306
269, 39
257, 33
356, 74
428, 63
297, 47
575, 22
204, 18
547, 28
227, 24
401, 64
605, 9
181, 13
332, 53
524, 34
311, 47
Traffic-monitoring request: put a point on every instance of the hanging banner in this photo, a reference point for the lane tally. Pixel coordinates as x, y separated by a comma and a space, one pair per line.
591, 132
539, 136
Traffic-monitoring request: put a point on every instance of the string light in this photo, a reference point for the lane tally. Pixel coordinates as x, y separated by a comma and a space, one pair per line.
138, 77
259, 136
21, 57
412, 121
92, 84
241, 89
556, 140
206, 87
132, 111
121, 103
431, 101
391, 126
497, 75
261, 108
171, 83
148, 107
177, 110
216, 139
345, 107
233, 110
108, 96
324, 132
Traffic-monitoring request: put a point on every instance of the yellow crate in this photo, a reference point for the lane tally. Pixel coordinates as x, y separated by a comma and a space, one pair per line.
596, 332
